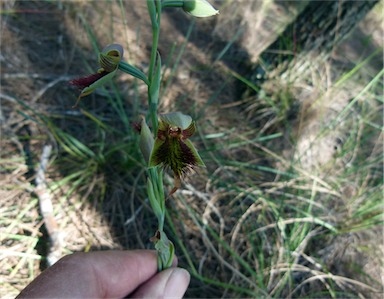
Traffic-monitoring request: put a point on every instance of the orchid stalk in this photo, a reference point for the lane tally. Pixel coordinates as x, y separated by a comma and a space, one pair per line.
168, 146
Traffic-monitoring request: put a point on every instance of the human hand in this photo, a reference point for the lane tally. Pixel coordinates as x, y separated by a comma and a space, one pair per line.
108, 274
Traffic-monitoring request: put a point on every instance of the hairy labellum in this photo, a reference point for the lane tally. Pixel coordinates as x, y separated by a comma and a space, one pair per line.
84, 82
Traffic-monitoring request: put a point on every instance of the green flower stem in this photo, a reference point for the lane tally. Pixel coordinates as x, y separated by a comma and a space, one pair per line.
172, 3
154, 9
153, 116
156, 195
155, 35
164, 247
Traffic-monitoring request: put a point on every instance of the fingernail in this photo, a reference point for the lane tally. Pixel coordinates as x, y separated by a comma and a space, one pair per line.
177, 283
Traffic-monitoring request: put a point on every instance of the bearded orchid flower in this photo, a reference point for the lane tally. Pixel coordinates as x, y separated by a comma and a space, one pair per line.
109, 60
173, 149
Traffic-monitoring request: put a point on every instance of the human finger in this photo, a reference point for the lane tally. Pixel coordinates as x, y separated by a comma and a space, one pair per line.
170, 283
112, 274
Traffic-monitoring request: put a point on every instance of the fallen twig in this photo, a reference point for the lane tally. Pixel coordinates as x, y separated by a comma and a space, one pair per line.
46, 209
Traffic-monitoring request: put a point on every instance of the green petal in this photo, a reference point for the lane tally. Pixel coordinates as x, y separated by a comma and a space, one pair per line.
198, 160
188, 132
110, 57
114, 50
155, 158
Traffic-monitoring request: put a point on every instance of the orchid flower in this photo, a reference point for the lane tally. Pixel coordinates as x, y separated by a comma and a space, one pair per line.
173, 149
109, 60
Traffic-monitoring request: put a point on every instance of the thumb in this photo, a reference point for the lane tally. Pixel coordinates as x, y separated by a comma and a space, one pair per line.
170, 283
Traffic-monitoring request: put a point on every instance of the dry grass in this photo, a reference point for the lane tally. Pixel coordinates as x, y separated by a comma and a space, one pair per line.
288, 205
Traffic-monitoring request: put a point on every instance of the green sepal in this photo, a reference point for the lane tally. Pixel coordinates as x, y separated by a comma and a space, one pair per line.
177, 119
199, 161
188, 132
153, 160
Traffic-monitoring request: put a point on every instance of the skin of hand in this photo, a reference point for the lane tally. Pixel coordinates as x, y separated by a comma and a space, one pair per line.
108, 274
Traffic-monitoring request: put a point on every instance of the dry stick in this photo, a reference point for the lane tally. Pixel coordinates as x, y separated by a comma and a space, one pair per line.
46, 209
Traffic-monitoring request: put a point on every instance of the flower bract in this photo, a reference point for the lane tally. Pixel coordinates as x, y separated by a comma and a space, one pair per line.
146, 141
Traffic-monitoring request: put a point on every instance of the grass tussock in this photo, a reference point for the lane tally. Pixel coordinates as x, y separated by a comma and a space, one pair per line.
290, 204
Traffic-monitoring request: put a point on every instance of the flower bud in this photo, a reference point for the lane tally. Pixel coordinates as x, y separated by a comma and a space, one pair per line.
199, 8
